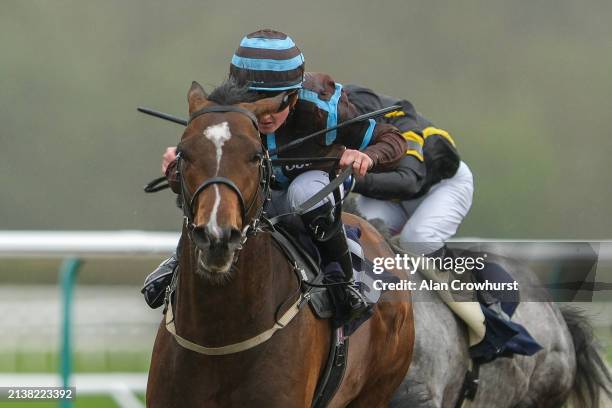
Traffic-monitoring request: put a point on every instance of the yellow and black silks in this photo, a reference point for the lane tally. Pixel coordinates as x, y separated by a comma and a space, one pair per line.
431, 153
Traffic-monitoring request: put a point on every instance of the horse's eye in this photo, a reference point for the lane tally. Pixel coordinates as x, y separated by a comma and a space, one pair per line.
257, 157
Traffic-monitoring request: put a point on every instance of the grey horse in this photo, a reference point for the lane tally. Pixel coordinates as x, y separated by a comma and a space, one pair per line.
569, 368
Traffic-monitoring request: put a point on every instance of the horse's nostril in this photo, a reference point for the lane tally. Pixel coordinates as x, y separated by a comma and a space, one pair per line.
201, 237
235, 236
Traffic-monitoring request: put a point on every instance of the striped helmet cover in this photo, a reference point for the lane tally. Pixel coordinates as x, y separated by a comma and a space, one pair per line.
268, 60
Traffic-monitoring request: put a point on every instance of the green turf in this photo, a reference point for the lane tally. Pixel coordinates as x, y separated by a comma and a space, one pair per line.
90, 401
123, 271
84, 362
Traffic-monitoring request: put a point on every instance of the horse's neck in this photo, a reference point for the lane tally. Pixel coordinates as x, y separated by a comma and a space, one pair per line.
219, 314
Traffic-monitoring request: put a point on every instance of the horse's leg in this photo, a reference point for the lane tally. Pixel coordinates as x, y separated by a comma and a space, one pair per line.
160, 373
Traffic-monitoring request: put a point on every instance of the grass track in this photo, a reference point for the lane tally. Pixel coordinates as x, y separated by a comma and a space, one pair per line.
84, 362
90, 401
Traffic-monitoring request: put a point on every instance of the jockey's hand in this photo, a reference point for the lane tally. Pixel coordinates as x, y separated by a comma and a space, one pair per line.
168, 157
361, 162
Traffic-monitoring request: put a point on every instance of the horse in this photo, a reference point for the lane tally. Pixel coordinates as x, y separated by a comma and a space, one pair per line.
569, 369
222, 343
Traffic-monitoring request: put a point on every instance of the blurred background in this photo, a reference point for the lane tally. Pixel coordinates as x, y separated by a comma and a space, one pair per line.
522, 86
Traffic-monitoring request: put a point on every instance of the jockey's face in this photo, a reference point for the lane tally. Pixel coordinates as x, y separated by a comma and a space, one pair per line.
270, 122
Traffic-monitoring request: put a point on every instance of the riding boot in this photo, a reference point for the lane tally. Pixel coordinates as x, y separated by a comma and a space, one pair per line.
468, 311
489, 331
330, 240
154, 288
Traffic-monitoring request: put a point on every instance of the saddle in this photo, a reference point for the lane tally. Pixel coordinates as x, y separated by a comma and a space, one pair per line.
303, 254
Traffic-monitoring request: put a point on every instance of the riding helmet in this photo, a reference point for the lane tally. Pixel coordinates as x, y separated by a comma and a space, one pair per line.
268, 60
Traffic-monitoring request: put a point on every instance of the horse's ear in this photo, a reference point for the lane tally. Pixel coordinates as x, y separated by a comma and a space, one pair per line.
196, 97
271, 105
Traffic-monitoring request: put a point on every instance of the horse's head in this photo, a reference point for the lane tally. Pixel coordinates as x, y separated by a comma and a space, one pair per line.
224, 170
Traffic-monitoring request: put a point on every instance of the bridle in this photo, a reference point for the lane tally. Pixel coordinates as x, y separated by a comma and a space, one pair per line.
250, 229
263, 185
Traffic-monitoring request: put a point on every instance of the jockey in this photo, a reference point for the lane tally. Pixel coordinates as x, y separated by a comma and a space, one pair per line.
427, 197
269, 62
424, 200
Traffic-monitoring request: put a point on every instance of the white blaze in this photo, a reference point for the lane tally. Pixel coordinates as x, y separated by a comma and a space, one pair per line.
212, 222
218, 134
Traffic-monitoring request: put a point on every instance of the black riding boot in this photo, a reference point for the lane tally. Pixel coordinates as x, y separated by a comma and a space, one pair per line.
154, 288
330, 240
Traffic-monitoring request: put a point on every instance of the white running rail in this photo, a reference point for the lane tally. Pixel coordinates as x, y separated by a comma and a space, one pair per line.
85, 243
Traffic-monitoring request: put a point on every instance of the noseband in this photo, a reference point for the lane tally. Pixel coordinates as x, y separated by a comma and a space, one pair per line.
263, 186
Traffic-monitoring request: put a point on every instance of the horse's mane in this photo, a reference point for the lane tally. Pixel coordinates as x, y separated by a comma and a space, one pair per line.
231, 92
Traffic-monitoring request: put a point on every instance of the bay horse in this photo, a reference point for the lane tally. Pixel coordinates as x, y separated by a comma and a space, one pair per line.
234, 281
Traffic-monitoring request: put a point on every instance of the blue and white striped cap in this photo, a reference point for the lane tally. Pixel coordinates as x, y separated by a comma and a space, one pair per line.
268, 60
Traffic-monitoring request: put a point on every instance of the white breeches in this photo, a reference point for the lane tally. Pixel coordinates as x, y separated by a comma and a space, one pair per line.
301, 189
425, 223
